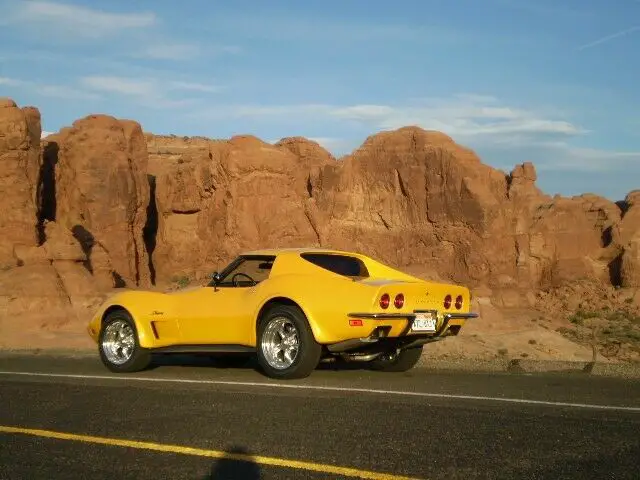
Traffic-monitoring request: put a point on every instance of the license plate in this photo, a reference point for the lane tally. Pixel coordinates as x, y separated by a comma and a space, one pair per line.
424, 322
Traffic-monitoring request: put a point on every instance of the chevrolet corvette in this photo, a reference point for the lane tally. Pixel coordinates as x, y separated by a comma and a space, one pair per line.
292, 308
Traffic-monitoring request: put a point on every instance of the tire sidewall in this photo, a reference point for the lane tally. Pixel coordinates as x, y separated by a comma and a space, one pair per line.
307, 346
404, 360
139, 357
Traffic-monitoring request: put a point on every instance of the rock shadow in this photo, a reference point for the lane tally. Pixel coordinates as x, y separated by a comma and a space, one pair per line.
86, 241
46, 189
150, 230
615, 271
607, 237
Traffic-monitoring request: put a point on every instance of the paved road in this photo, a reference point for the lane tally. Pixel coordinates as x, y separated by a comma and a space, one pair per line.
73, 420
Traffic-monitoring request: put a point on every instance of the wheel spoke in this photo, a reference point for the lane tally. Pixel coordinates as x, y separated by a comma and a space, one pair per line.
290, 354
118, 342
280, 343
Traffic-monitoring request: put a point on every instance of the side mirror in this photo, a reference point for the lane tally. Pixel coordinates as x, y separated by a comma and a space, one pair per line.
215, 280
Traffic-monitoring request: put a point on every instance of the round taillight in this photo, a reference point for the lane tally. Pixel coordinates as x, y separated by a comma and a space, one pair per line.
399, 300
384, 300
447, 301
458, 302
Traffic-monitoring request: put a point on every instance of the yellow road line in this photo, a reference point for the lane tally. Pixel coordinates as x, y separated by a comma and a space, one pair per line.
200, 452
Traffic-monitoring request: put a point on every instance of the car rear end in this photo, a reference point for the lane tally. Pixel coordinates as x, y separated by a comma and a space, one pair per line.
409, 312
432, 306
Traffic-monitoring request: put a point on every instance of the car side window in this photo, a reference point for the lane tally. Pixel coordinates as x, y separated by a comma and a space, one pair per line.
247, 272
344, 265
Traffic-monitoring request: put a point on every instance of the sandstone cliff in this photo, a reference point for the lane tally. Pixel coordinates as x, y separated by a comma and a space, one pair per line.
410, 197
101, 205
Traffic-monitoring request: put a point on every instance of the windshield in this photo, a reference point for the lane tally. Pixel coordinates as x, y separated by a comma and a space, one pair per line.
245, 272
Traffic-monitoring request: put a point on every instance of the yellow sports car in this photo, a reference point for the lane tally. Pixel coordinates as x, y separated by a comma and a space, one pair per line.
291, 307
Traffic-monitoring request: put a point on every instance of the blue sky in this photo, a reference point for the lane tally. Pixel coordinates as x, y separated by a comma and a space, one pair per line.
553, 82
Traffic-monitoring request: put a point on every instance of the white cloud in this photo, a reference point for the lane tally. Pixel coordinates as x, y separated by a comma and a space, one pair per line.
150, 92
79, 20
63, 91
10, 82
122, 85
337, 146
566, 157
196, 87
504, 134
608, 38
45, 134
170, 51
461, 116
184, 51
47, 90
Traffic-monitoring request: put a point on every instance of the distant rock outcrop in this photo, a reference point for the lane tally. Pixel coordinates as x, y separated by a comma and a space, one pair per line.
627, 236
410, 197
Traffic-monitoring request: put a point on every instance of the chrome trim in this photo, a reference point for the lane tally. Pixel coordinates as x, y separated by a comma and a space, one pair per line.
443, 327
382, 315
359, 357
351, 343
423, 337
412, 315
454, 316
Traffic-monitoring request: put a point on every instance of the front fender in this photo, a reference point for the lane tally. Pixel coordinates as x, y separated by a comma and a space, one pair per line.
141, 305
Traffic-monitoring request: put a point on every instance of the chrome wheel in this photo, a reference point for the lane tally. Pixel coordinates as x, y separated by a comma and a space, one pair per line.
280, 343
118, 342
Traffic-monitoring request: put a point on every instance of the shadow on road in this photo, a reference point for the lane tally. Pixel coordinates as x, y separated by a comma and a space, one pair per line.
238, 362
237, 465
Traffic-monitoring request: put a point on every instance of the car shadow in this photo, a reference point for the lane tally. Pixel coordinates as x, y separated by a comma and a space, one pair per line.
236, 464
218, 361
240, 362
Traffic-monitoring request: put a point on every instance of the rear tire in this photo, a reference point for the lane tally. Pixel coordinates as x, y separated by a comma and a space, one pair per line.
287, 348
401, 361
118, 344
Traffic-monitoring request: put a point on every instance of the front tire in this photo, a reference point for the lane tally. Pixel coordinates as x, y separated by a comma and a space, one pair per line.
118, 344
397, 361
287, 348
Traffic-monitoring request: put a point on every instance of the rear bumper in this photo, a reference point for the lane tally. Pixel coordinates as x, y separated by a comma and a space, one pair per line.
445, 322
412, 316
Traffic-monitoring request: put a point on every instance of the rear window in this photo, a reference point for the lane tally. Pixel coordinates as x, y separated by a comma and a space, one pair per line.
341, 264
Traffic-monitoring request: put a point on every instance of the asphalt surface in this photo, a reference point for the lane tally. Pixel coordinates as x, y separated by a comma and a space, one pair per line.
420, 424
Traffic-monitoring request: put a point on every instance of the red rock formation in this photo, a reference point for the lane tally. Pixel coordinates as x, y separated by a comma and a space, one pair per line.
310, 153
411, 197
101, 193
107, 202
627, 235
19, 166
216, 199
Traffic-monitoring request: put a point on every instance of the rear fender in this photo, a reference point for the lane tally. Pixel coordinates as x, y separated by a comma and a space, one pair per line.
286, 299
325, 302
